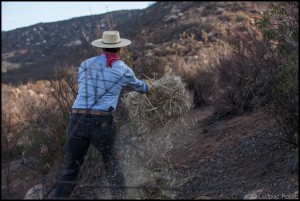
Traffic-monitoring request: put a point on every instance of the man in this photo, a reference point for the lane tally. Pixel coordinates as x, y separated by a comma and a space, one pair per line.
100, 81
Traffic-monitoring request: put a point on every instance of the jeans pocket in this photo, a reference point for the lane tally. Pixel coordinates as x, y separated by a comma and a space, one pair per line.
109, 129
77, 128
102, 134
102, 129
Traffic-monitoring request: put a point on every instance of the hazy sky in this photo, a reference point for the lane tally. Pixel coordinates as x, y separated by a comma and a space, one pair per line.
21, 14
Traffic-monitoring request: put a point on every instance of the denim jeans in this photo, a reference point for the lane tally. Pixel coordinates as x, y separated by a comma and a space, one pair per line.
84, 129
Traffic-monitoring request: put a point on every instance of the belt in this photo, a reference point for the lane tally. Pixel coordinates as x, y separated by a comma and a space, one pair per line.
95, 112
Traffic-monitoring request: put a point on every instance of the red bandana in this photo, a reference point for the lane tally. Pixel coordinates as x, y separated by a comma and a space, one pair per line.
110, 58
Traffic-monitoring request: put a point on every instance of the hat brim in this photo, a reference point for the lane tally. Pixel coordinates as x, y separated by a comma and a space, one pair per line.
99, 43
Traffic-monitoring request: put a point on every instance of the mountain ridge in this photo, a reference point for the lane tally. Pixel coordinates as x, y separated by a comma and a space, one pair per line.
37, 49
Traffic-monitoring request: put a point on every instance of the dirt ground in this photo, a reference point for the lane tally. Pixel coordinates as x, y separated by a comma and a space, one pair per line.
235, 156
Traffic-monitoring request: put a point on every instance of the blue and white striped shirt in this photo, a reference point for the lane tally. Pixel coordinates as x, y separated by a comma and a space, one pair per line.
99, 87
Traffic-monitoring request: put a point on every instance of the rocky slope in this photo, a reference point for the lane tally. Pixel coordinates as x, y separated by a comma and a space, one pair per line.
32, 53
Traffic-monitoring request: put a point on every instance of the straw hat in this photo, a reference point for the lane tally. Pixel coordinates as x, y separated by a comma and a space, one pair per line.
111, 39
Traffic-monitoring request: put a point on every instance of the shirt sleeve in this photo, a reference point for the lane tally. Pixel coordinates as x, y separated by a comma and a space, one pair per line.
81, 72
130, 80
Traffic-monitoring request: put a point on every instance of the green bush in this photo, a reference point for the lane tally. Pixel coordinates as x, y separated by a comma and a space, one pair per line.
288, 76
18, 150
280, 26
263, 69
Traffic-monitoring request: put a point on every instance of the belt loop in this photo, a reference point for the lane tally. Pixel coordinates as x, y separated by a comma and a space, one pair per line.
112, 110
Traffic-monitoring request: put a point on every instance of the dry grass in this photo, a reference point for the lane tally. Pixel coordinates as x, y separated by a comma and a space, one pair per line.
146, 161
169, 99
146, 156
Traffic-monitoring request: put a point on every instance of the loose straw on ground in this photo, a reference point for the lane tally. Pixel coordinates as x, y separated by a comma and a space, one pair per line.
169, 99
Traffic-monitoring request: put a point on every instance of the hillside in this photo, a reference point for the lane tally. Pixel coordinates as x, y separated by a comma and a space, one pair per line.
37, 49
32, 53
228, 146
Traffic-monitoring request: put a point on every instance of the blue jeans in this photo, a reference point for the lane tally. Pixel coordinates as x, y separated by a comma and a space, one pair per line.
84, 129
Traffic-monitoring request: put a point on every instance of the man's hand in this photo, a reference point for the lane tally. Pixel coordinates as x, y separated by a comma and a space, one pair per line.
150, 84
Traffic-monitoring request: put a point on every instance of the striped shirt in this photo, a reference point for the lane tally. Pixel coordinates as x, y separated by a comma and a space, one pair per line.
99, 87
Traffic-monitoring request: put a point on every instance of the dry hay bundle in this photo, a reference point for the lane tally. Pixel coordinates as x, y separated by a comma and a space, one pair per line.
169, 98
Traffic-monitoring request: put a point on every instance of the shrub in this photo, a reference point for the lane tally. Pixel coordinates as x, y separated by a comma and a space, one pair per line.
263, 68
65, 88
280, 26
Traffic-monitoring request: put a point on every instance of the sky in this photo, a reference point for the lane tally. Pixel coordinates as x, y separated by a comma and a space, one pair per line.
17, 14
